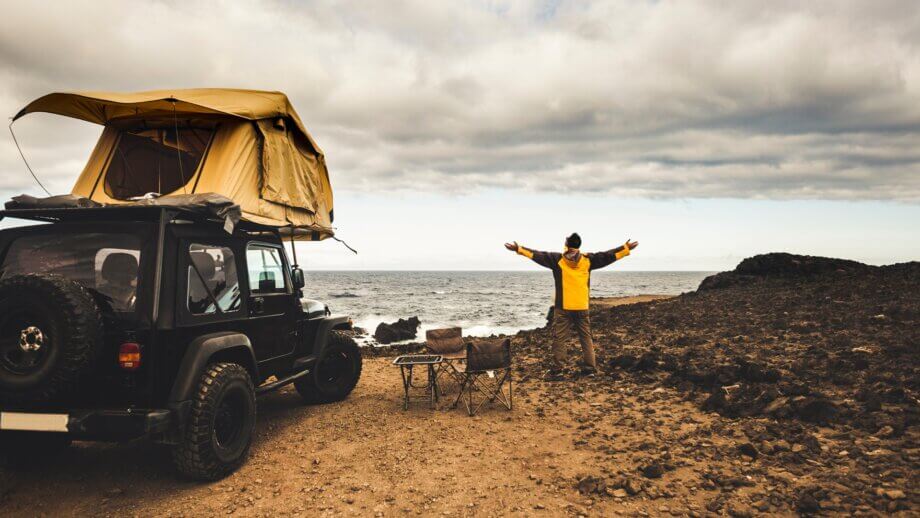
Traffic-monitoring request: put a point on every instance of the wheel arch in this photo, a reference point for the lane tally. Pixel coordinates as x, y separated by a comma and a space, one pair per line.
326, 326
206, 349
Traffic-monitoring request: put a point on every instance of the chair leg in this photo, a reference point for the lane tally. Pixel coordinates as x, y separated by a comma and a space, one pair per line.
508, 403
469, 406
460, 395
495, 391
499, 393
440, 371
448, 369
432, 386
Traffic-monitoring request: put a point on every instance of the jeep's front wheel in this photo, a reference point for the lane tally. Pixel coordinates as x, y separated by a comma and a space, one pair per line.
220, 424
336, 371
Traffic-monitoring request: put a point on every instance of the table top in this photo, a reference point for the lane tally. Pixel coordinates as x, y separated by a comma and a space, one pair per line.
418, 359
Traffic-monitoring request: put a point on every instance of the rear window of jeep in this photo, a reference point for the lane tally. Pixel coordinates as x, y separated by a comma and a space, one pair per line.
105, 263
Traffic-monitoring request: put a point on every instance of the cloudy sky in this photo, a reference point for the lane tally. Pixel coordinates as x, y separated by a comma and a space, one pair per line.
708, 131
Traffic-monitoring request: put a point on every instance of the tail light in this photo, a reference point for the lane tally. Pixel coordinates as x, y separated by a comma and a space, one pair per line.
129, 356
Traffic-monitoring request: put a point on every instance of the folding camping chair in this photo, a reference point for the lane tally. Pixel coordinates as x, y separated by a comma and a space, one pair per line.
488, 370
447, 343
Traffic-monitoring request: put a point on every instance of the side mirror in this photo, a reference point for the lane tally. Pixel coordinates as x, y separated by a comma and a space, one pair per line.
297, 278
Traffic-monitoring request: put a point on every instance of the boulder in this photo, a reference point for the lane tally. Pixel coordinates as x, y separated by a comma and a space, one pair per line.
806, 503
653, 470
591, 484
748, 450
400, 330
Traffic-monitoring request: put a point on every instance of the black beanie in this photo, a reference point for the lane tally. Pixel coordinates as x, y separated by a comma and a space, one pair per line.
573, 241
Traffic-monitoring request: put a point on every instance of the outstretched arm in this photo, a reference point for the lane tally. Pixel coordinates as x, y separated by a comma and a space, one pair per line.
602, 259
545, 259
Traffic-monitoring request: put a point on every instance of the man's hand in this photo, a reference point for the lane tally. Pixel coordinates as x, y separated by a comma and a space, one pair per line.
512, 246
631, 244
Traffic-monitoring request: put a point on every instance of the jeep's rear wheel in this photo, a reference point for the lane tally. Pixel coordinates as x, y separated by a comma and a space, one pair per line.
220, 426
50, 331
336, 372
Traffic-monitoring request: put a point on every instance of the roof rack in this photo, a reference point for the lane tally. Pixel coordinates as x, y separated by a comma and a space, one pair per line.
139, 213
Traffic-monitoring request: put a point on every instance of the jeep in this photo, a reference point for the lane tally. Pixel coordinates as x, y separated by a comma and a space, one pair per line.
130, 321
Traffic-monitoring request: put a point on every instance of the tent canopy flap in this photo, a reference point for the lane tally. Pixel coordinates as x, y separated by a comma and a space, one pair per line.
247, 145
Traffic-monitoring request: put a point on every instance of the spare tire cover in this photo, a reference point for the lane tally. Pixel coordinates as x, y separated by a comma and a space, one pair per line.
50, 332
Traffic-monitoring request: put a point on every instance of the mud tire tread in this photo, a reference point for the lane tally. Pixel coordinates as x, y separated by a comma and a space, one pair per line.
82, 330
193, 457
307, 385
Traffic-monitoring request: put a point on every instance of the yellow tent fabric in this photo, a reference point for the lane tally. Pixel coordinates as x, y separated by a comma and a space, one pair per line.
260, 154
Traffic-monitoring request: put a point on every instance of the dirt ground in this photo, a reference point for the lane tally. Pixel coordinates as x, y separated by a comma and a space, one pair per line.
607, 302
630, 442
367, 456
364, 456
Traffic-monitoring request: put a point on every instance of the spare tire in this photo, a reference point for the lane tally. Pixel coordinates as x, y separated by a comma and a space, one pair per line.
50, 331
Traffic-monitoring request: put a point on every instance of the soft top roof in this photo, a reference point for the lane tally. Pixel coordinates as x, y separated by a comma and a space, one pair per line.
200, 207
105, 107
69, 207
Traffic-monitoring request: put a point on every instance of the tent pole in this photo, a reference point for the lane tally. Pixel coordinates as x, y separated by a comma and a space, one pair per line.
293, 248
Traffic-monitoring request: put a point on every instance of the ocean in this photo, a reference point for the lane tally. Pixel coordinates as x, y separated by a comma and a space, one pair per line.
482, 303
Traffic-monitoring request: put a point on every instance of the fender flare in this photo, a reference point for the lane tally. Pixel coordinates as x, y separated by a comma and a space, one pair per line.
199, 354
327, 325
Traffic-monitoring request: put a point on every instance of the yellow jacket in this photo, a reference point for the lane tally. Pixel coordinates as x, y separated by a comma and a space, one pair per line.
572, 272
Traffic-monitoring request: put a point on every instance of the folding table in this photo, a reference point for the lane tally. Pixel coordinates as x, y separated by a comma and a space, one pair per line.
406, 363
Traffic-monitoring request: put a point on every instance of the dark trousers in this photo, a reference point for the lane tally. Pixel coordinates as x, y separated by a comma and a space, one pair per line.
564, 322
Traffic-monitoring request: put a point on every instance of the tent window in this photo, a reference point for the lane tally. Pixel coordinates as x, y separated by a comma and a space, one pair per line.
154, 161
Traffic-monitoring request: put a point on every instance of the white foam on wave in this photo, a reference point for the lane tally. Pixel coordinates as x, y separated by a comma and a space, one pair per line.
472, 329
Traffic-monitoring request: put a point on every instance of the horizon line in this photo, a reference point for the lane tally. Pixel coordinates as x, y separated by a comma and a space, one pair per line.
497, 271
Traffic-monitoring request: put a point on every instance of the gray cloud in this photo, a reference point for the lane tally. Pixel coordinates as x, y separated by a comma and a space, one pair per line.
658, 99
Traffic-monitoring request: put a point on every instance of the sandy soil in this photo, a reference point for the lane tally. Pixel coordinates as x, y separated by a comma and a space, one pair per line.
366, 456
607, 302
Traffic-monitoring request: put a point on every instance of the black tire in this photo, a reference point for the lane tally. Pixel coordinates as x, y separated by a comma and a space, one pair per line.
336, 372
219, 430
69, 325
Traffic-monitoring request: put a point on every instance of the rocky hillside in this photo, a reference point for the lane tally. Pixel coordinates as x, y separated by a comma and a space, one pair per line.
786, 347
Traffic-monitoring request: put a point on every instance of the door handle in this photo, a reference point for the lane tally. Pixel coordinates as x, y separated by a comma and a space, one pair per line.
258, 305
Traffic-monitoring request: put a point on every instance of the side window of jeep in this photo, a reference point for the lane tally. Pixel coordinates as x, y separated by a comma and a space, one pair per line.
213, 281
266, 273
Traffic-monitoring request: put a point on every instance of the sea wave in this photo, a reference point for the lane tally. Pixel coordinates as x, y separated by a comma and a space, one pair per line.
482, 303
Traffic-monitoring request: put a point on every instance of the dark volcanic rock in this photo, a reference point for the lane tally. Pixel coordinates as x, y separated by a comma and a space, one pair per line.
812, 364
647, 361
780, 265
653, 470
392, 350
623, 361
807, 503
590, 484
400, 330
748, 449
815, 410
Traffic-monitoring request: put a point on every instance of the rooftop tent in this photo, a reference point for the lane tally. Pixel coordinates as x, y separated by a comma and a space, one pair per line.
247, 145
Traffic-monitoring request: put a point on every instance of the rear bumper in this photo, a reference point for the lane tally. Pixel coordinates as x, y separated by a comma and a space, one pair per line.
97, 424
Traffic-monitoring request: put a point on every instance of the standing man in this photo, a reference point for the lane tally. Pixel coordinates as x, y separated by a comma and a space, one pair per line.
572, 272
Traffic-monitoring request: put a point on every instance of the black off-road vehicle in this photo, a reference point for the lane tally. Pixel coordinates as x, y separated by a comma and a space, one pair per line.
150, 321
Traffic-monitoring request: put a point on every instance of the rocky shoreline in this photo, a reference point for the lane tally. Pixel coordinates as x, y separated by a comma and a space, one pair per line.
787, 387
809, 364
